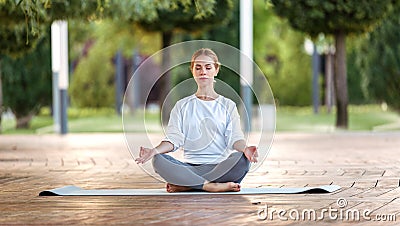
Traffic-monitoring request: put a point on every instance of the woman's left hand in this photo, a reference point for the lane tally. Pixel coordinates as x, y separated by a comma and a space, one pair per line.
251, 153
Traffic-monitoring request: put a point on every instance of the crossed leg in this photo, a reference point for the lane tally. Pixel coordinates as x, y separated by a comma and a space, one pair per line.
221, 177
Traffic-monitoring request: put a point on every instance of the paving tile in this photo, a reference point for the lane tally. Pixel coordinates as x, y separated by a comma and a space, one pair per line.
32, 163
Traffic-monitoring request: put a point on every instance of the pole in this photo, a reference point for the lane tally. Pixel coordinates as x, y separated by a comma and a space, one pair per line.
329, 80
119, 80
315, 84
136, 80
59, 57
56, 104
63, 82
246, 59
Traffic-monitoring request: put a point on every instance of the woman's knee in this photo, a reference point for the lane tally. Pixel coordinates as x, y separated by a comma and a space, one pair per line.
157, 161
162, 162
240, 162
243, 162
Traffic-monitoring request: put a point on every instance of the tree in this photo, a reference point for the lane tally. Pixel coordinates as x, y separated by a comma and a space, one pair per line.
27, 82
378, 60
18, 34
22, 25
337, 18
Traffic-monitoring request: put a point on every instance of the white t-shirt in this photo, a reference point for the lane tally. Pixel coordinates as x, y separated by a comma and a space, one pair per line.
206, 130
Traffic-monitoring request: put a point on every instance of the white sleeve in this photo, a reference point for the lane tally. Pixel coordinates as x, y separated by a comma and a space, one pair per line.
173, 131
233, 131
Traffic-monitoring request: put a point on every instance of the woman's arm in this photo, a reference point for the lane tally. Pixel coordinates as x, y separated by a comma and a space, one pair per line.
174, 137
146, 154
249, 151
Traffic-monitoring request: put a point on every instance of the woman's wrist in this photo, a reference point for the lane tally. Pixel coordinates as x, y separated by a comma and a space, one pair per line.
154, 151
240, 146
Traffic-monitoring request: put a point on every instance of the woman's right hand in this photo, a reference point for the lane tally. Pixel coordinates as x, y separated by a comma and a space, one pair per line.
251, 153
145, 154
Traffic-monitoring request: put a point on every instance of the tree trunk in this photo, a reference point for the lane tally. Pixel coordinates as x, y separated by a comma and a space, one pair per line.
23, 121
166, 85
341, 81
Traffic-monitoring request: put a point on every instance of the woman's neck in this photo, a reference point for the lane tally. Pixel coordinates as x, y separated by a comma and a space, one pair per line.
206, 94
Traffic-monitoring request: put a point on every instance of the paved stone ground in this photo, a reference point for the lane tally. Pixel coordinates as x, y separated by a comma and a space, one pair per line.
365, 165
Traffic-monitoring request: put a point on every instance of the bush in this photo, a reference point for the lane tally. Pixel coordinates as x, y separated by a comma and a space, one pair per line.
92, 82
281, 56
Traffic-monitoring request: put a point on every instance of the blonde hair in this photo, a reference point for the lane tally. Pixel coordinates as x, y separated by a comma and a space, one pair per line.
206, 52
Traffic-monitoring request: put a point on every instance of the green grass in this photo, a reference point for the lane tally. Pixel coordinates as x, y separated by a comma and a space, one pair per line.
302, 119
8, 125
88, 120
361, 118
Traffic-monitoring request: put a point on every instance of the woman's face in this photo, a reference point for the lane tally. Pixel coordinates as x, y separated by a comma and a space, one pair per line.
204, 70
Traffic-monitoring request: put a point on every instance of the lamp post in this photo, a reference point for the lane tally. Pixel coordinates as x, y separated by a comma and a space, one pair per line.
59, 62
246, 59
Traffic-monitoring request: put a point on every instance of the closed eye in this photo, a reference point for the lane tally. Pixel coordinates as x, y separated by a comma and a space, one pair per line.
208, 67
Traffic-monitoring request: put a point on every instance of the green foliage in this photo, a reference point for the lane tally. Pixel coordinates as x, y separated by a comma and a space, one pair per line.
15, 41
281, 56
84, 10
30, 13
79, 36
205, 15
22, 24
135, 10
338, 18
378, 59
355, 78
93, 81
331, 16
27, 81
227, 31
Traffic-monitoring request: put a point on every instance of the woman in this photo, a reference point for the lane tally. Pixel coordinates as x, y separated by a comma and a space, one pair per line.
206, 126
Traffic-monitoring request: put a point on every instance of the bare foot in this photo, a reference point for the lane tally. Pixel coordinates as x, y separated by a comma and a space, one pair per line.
221, 187
176, 188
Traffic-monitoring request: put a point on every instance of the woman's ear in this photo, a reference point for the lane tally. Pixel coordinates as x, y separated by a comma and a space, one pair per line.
217, 69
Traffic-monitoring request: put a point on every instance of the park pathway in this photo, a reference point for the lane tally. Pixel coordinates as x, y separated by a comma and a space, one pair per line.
366, 166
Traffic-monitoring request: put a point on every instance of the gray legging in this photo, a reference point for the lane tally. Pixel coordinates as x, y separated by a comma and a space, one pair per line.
232, 169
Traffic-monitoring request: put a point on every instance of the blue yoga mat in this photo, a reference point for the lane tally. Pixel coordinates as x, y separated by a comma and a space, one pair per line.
77, 191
